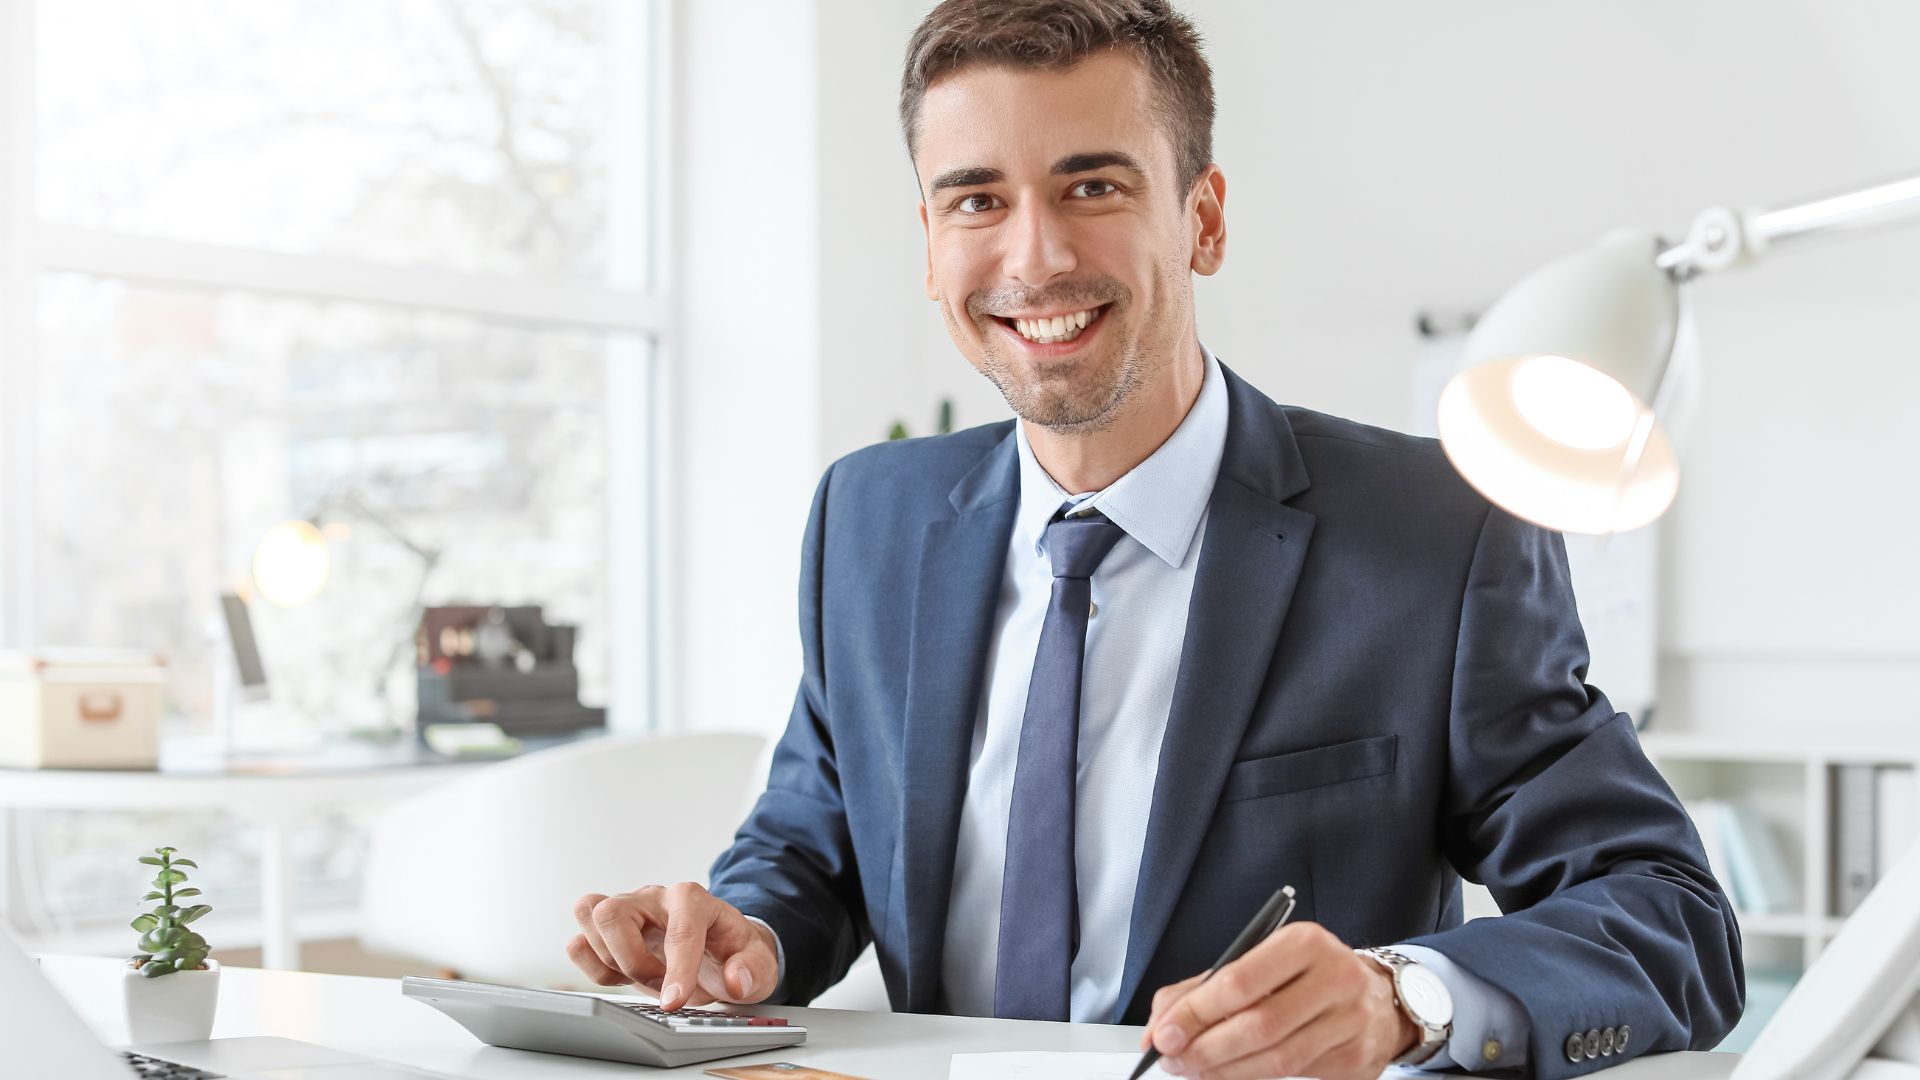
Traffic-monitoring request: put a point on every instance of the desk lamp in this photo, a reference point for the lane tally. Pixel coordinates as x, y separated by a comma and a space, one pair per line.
1561, 412
1560, 417
291, 563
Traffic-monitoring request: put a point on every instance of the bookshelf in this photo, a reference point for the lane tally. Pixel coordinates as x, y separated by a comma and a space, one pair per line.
1789, 784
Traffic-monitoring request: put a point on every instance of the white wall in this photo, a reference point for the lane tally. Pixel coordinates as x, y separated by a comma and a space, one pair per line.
1377, 166
743, 368
1380, 160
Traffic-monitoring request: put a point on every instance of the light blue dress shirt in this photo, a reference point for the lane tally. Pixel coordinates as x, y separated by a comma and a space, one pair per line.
1141, 593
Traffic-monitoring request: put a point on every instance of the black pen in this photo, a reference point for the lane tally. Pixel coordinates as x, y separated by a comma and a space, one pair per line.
1271, 916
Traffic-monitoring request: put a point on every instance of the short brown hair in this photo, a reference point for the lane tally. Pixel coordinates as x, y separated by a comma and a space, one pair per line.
1055, 34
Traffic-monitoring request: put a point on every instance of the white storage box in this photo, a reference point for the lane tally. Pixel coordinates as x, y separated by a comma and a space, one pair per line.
77, 709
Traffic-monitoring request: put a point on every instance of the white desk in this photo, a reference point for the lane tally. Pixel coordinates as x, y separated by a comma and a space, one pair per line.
369, 1016
272, 792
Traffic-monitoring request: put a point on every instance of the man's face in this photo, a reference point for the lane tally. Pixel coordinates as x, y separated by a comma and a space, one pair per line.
1060, 241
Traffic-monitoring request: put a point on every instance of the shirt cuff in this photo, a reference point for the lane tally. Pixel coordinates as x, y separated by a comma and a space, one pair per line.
780, 956
1489, 1028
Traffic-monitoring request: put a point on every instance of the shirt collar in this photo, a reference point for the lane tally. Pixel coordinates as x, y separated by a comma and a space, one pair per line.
1159, 501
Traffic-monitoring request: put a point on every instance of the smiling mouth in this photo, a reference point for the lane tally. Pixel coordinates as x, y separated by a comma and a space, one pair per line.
1056, 329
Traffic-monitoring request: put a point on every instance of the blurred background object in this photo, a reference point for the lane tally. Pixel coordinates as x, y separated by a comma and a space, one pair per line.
532, 836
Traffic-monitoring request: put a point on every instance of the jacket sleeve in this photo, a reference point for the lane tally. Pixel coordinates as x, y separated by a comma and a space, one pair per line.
1613, 921
792, 864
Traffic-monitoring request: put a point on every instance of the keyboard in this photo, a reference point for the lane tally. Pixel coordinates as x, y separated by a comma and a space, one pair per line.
153, 1068
694, 1019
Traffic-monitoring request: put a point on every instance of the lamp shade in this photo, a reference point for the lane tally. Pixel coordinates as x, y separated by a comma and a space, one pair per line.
1550, 417
290, 564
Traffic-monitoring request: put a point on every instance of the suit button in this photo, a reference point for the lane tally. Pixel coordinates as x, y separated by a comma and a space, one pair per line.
1576, 1047
1620, 1040
1593, 1042
1606, 1042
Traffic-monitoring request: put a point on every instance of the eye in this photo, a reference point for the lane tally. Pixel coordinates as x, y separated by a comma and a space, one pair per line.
1093, 189
977, 203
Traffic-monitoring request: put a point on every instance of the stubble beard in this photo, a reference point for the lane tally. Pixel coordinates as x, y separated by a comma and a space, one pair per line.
1085, 397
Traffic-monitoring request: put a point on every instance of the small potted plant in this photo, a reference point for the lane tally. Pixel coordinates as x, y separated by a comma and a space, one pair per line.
171, 986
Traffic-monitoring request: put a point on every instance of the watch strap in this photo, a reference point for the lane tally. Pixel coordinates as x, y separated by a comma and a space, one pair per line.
1432, 1038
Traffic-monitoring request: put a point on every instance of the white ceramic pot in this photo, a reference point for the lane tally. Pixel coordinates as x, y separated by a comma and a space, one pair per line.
171, 1008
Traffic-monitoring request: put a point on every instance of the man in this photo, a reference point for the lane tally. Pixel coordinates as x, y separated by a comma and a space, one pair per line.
1083, 689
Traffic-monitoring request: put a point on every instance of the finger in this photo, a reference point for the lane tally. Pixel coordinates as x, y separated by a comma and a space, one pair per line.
690, 911
749, 967
1165, 997
581, 953
1273, 963
583, 914
1264, 1026
622, 922
656, 939
1325, 1048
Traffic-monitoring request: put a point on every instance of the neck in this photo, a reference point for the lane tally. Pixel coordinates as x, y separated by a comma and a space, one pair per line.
1092, 460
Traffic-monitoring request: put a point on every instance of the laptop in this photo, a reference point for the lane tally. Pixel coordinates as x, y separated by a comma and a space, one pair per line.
46, 1038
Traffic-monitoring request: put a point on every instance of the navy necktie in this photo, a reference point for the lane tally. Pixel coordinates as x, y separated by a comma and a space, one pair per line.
1039, 904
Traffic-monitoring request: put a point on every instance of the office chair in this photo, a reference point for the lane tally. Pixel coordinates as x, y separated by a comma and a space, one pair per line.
476, 878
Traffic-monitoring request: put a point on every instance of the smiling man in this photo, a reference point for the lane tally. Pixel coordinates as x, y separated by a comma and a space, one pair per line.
1083, 688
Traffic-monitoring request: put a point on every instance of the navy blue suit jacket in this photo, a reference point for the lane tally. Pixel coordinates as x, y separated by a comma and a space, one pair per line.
1380, 691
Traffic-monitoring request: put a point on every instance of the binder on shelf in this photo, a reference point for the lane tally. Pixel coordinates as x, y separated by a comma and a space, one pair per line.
1855, 846
1896, 816
1706, 818
1757, 869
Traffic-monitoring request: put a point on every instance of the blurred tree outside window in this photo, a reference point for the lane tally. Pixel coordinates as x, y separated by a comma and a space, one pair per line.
288, 249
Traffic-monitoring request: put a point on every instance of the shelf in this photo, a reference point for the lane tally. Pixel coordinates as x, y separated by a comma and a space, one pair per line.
1691, 746
1774, 924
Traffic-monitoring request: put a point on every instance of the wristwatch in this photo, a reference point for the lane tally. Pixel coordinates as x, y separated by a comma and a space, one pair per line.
1422, 997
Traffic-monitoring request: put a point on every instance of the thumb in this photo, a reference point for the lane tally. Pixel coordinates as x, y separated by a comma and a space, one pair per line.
750, 967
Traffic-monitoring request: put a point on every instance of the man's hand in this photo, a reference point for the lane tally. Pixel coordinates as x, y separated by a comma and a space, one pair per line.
676, 941
1299, 1003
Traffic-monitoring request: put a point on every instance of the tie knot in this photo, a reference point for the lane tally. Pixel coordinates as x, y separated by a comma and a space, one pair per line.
1075, 545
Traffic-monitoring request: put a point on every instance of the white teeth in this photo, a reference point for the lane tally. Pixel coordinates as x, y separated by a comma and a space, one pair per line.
1054, 329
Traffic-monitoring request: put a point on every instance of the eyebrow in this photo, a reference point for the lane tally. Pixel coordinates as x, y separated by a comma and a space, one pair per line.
979, 175
971, 176
1103, 159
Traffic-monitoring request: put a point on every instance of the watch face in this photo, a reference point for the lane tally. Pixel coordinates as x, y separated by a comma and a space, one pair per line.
1425, 996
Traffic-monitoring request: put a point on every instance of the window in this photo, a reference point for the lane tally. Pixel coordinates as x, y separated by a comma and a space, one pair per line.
257, 256
280, 252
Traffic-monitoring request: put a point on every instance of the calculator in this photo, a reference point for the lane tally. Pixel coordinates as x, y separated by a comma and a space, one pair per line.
557, 1022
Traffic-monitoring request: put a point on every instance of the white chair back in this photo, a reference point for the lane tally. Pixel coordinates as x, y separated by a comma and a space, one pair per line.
479, 875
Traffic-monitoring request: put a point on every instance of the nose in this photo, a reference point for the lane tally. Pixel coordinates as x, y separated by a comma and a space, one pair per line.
1039, 247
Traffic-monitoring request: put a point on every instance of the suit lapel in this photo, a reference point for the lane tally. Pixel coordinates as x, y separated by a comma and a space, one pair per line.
962, 559
1250, 559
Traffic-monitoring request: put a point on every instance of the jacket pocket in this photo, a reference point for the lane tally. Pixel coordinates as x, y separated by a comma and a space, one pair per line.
1298, 770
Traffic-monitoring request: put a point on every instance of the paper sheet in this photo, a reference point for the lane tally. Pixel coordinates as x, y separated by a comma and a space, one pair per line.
1083, 1065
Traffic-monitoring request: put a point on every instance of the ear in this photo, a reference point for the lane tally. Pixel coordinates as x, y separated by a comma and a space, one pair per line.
933, 293
1207, 212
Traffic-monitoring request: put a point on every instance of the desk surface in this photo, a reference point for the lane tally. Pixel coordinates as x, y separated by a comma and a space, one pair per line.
193, 775
369, 1016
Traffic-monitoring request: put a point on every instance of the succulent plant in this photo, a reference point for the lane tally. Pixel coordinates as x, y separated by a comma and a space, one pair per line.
166, 944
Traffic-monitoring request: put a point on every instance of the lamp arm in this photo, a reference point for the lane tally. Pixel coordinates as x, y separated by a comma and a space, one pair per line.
429, 558
1722, 238
385, 523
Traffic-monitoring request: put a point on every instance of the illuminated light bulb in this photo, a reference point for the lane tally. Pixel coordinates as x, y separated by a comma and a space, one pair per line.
1573, 404
290, 565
